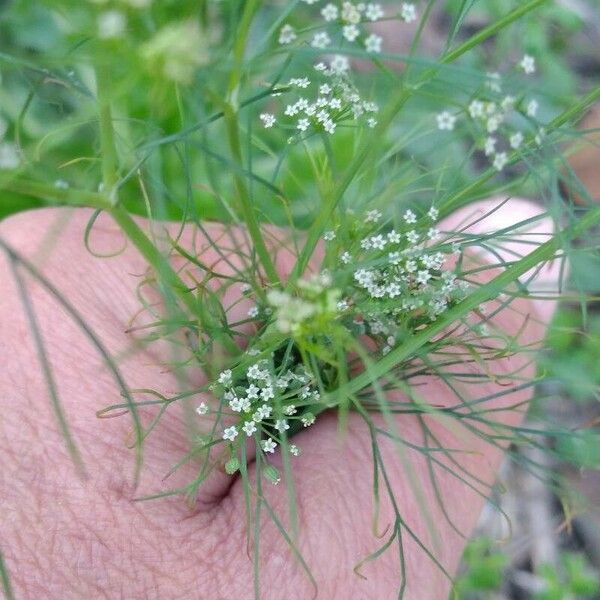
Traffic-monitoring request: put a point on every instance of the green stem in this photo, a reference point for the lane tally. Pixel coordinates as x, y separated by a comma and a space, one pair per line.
168, 277
107, 136
231, 119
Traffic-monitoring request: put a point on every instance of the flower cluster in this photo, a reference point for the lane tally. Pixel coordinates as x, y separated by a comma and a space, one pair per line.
400, 275
493, 114
263, 402
334, 100
317, 304
344, 22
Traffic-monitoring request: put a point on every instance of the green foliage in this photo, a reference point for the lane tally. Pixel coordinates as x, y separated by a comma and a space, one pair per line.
485, 570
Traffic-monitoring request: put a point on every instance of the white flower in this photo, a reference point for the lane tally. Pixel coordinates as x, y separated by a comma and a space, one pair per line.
308, 419
433, 234
202, 408
373, 12
281, 425
371, 122
423, 276
287, 35
111, 24
500, 161
346, 257
476, 109
373, 43
61, 184
540, 135
515, 140
527, 64
413, 237
373, 216
253, 312
433, 213
350, 32
340, 64
268, 445
490, 146
289, 410
492, 124
394, 237
230, 433
294, 450
329, 126
408, 12
303, 124
350, 13
342, 305
446, 121
329, 235
410, 217
225, 377
268, 120
249, 428
330, 12
301, 82
507, 103
267, 393
321, 40
532, 108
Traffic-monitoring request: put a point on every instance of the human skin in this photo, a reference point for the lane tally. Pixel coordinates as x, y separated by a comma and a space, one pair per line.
64, 536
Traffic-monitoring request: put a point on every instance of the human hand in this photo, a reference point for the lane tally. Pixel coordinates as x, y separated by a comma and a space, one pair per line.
67, 537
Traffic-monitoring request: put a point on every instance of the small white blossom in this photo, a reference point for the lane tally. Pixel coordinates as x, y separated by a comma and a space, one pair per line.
350, 32
492, 124
476, 109
532, 108
268, 120
294, 450
515, 140
433, 213
350, 13
446, 121
249, 428
303, 124
281, 425
373, 216
490, 146
268, 445
408, 12
308, 419
321, 40
374, 12
253, 312
202, 408
328, 236
346, 258
230, 433
500, 161
287, 35
289, 410
410, 217
528, 64
394, 237
373, 43
225, 377
330, 12
340, 64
